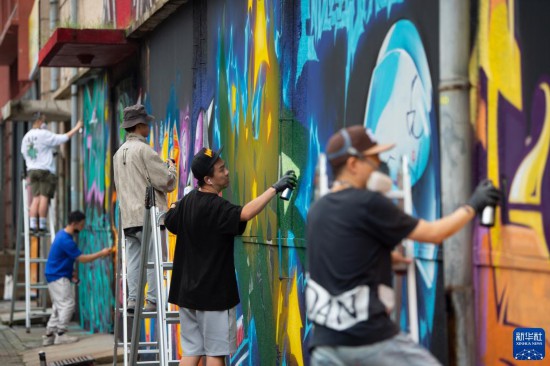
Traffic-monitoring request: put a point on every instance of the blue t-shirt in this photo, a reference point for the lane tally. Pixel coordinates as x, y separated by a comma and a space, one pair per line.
62, 256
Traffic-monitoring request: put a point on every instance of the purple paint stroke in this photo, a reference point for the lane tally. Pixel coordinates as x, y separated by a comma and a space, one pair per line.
199, 136
185, 147
95, 192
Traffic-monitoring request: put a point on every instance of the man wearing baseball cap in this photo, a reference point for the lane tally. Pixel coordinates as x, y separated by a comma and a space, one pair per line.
136, 166
351, 233
203, 277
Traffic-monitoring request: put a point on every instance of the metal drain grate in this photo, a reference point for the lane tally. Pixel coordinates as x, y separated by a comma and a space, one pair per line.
76, 361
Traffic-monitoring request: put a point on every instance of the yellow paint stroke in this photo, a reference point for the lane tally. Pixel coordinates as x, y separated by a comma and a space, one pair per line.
152, 137
527, 184
500, 59
280, 297
233, 99
261, 50
295, 324
268, 127
174, 154
164, 147
293, 327
254, 188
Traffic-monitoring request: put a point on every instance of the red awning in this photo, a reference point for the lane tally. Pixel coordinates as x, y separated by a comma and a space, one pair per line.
68, 47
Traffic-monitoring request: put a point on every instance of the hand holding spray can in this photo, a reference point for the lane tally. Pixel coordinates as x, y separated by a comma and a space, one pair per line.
286, 185
484, 201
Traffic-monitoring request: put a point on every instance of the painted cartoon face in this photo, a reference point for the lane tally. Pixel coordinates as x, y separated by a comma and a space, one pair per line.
399, 105
398, 111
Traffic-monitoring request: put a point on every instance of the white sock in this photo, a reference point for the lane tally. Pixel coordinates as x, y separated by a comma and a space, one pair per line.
42, 223
33, 223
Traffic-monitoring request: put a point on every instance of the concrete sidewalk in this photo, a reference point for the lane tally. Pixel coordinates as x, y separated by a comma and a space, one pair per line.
17, 347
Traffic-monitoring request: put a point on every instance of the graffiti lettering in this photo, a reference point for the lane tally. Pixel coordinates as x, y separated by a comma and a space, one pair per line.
352, 16
337, 312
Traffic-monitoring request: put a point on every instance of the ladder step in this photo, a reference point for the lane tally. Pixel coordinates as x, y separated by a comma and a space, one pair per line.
141, 344
34, 286
33, 309
153, 363
169, 314
34, 260
147, 351
39, 235
165, 265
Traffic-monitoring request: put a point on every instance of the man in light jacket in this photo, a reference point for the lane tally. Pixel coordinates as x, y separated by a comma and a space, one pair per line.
38, 148
136, 166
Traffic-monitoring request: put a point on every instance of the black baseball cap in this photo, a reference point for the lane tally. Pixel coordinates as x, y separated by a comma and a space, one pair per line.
203, 161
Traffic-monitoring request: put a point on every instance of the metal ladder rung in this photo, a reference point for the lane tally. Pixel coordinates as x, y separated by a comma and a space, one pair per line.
153, 351
38, 235
34, 260
35, 309
34, 286
169, 314
154, 315
141, 344
165, 265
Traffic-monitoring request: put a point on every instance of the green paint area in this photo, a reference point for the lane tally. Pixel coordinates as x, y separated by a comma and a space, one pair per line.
96, 295
271, 287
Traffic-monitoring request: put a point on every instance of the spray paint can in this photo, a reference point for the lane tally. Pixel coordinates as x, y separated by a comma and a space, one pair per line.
287, 193
487, 218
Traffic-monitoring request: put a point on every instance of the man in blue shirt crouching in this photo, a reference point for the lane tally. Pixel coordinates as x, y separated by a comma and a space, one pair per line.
59, 272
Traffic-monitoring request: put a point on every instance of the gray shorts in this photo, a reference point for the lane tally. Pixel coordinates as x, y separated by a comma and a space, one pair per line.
399, 350
210, 333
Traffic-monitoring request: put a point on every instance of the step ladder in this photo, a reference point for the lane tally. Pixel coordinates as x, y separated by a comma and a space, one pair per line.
404, 195
133, 347
43, 243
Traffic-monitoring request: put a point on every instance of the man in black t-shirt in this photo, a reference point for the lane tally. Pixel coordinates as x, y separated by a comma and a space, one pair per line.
351, 233
203, 283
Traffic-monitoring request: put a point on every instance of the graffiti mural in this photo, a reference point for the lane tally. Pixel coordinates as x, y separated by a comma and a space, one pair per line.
376, 64
400, 108
270, 82
245, 62
96, 296
510, 115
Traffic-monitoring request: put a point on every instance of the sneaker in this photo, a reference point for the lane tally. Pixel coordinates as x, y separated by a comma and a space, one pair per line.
47, 340
33, 231
150, 307
131, 306
43, 232
64, 339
